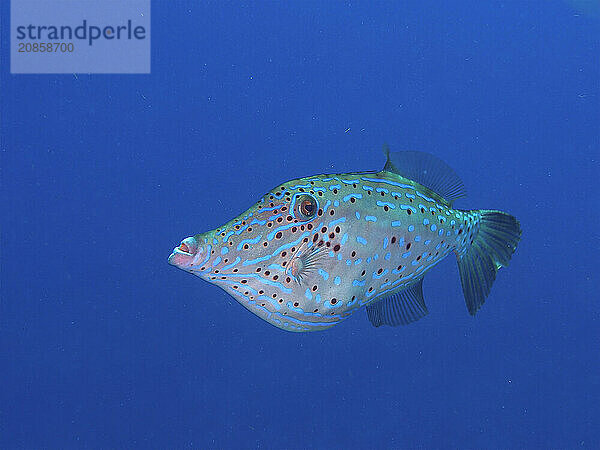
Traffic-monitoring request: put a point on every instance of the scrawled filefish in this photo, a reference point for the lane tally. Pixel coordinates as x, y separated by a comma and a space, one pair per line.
314, 250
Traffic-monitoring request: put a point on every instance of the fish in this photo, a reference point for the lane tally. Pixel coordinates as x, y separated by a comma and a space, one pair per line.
314, 250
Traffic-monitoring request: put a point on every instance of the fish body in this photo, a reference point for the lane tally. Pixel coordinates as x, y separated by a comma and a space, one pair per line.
314, 250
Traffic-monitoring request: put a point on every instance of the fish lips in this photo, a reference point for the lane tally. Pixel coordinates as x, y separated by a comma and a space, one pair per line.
186, 254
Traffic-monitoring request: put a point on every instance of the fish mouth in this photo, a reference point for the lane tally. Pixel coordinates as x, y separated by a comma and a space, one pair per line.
183, 256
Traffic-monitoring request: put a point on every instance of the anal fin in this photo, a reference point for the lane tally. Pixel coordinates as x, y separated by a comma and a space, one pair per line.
400, 308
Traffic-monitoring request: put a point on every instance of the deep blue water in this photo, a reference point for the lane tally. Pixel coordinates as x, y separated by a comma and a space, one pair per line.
104, 345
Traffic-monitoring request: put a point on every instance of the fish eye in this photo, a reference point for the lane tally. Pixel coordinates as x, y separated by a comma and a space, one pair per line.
306, 207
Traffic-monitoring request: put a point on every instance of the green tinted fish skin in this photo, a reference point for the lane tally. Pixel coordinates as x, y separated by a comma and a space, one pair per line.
371, 235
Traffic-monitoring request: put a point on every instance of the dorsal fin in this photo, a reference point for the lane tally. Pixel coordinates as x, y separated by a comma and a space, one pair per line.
400, 308
428, 171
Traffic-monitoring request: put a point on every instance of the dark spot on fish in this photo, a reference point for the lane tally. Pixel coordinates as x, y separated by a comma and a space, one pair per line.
324, 230
316, 310
289, 218
284, 208
278, 235
296, 304
315, 287
294, 229
216, 271
261, 292
265, 243
353, 254
332, 212
316, 237
336, 247
363, 273
328, 244
280, 219
320, 194
301, 227
408, 211
320, 244
244, 281
352, 199
235, 270
288, 279
267, 272
418, 257
408, 246
283, 254
422, 210
320, 211
379, 271
274, 295
386, 208
309, 226
331, 235
337, 229
249, 229
258, 269
335, 191
333, 301
393, 239
246, 246
275, 277
235, 286
270, 224
280, 300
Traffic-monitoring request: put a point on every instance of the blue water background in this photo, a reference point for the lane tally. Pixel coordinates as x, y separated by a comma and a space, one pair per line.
104, 345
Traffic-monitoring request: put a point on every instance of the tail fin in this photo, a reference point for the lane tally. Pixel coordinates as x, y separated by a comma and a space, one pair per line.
494, 244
